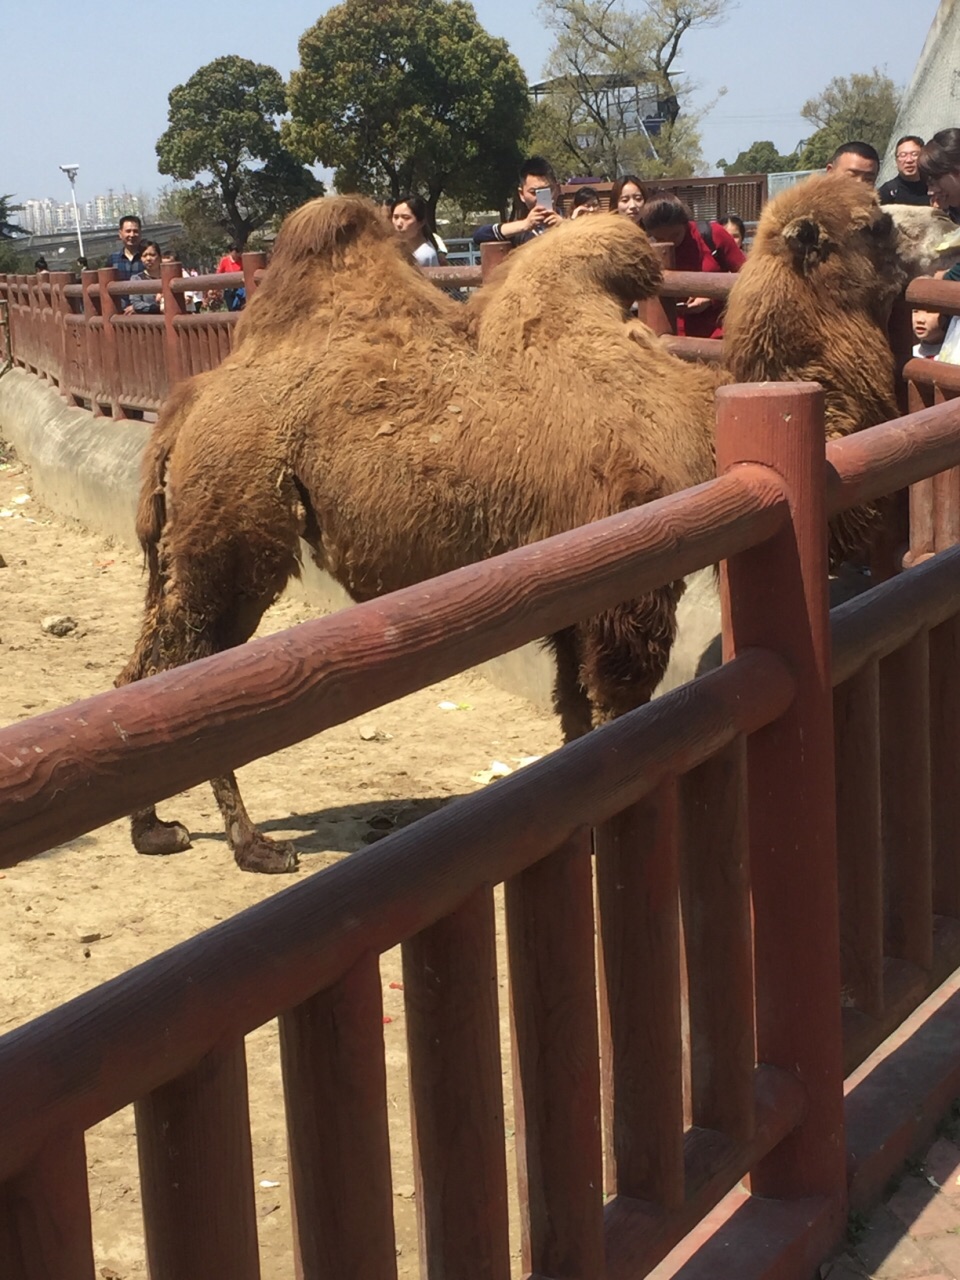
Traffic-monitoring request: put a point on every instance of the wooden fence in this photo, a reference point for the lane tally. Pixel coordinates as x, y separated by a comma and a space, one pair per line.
72, 332
776, 857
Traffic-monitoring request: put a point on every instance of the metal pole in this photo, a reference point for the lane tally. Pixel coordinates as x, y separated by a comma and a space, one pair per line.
76, 212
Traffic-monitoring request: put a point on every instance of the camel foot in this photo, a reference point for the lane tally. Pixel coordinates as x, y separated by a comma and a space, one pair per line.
160, 837
269, 857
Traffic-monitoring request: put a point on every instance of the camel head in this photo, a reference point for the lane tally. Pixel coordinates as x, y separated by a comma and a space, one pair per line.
337, 250
831, 233
598, 258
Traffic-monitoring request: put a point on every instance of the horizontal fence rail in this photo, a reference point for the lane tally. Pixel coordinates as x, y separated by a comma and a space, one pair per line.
323, 672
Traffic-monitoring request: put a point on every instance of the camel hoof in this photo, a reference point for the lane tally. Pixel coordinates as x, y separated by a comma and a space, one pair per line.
269, 857
161, 837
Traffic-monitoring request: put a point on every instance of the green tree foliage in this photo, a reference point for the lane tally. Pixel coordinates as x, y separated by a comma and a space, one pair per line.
409, 95
200, 243
860, 108
609, 66
759, 157
9, 230
225, 122
10, 257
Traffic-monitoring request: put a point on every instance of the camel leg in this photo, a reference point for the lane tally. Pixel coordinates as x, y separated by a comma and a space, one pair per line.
625, 652
569, 696
206, 599
252, 850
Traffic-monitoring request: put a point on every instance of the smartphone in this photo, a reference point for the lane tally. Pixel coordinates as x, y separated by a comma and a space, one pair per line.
545, 198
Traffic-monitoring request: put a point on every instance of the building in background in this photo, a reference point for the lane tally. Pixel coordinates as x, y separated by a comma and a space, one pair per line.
48, 216
932, 100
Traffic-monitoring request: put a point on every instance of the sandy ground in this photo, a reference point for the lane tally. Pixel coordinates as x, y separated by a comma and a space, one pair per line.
330, 795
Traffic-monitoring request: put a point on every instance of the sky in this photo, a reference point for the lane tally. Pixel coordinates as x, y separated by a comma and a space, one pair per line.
88, 85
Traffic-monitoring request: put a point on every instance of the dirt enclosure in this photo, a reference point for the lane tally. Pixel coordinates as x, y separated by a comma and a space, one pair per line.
90, 909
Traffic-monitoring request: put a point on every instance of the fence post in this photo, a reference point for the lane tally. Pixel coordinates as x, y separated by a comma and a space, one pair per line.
174, 304
659, 313
252, 263
58, 308
94, 358
110, 307
491, 255
775, 597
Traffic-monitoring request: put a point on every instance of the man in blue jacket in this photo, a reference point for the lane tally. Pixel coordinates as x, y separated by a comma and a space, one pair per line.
539, 195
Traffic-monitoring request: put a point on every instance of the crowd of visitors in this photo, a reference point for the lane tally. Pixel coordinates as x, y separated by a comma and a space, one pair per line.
928, 173
139, 259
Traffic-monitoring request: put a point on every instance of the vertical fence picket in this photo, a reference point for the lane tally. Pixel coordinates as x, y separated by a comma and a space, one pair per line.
170, 365
638, 896
336, 1097
775, 597
946, 509
196, 1173
109, 308
856, 714
453, 1036
719, 942
945, 765
556, 1074
905, 783
45, 1216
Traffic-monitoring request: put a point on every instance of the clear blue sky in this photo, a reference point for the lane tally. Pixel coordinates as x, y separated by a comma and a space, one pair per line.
88, 84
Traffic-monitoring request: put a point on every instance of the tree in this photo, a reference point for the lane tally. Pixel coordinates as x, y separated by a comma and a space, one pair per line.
614, 100
10, 258
409, 95
759, 157
860, 108
225, 122
9, 230
200, 242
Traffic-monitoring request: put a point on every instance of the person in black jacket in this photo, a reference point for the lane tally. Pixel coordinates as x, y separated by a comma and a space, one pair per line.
907, 187
535, 209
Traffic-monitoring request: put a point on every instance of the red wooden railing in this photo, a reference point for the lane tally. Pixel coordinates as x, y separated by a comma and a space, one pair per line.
719, 796
72, 332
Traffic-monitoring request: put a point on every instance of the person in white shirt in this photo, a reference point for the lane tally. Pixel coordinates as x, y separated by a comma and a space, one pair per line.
411, 223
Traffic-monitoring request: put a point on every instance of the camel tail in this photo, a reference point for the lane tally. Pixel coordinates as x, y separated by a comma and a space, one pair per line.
152, 504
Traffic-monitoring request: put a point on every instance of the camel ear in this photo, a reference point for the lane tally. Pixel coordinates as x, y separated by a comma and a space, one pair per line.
807, 242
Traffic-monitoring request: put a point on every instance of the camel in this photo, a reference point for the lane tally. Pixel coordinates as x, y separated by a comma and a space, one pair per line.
812, 304
402, 435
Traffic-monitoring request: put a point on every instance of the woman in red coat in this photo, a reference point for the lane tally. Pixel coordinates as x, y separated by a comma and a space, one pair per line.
667, 218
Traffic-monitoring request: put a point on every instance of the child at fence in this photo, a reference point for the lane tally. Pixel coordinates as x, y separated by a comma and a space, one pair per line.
929, 329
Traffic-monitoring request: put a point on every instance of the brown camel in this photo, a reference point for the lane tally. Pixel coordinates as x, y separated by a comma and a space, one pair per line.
813, 302
356, 412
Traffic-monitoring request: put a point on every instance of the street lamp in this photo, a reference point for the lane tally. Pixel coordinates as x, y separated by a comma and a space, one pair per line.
71, 170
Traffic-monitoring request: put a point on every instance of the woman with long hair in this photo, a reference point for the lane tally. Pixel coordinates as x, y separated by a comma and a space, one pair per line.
411, 222
939, 166
628, 195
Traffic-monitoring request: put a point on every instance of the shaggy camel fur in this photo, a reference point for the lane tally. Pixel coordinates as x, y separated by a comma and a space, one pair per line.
812, 304
356, 413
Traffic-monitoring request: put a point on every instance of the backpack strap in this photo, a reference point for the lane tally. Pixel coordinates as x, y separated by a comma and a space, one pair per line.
706, 232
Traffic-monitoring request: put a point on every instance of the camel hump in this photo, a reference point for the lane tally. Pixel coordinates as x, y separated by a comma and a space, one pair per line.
325, 227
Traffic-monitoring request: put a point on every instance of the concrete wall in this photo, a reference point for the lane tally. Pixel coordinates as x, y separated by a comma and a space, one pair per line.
88, 469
